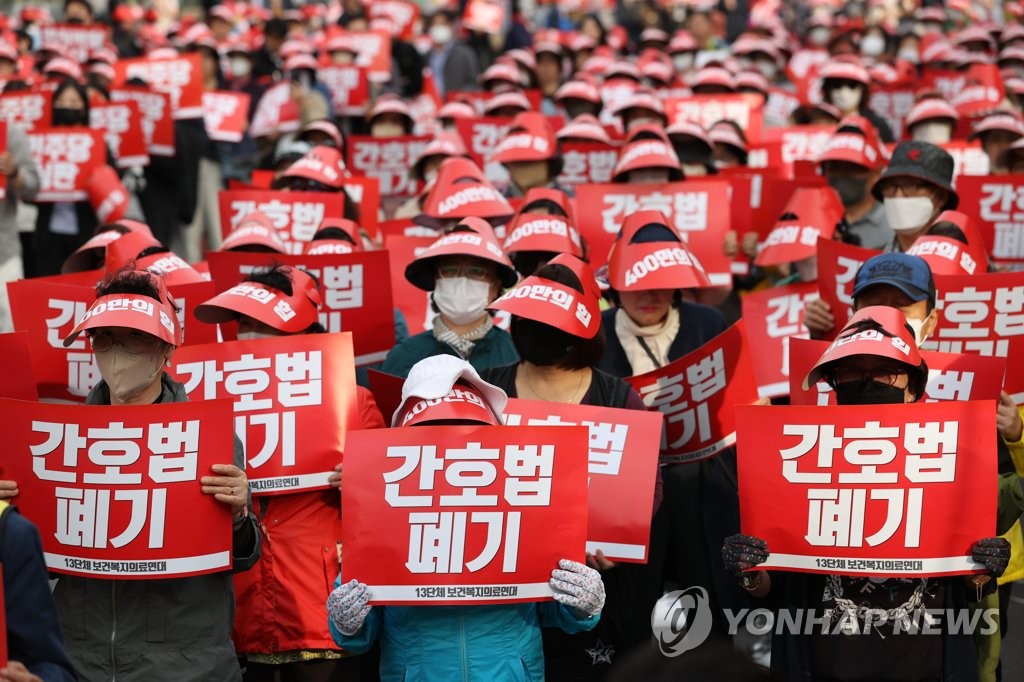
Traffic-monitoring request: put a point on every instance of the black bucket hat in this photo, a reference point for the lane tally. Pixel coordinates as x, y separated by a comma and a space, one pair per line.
921, 161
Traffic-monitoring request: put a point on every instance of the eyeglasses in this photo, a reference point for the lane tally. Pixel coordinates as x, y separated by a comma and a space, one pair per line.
470, 271
883, 374
905, 187
135, 342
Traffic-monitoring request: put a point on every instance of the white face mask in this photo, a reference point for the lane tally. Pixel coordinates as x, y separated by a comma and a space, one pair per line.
683, 62
847, 98
240, 67
128, 374
906, 214
909, 55
918, 327
253, 335
818, 36
935, 132
648, 176
462, 300
872, 46
694, 169
768, 69
387, 130
440, 34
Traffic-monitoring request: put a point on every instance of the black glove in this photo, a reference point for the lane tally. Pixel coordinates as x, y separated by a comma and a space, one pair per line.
994, 553
741, 552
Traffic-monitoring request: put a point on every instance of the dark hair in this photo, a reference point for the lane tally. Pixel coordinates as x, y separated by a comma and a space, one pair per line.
77, 87
279, 277
948, 230
527, 263
276, 28
917, 376
128, 280
545, 345
332, 233
547, 204
16, 86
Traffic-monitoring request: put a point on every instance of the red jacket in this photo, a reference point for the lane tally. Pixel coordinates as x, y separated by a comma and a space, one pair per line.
280, 602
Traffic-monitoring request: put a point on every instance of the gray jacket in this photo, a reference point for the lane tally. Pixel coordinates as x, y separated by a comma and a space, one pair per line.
176, 629
18, 147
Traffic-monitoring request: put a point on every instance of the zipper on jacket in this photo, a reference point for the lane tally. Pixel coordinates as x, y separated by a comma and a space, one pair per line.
113, 630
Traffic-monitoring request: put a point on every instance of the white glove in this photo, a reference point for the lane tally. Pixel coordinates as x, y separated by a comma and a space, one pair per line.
579, 586
348, 606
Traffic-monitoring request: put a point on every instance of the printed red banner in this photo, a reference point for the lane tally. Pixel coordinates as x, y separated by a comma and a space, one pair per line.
623, 466
66, 158
77, 42
859, 490
697, 394
387, 392
414, 303
586, 163
374, 54
28, 109
710, 109
187, 297
779, 107
388, 160
951, 376
996, 202
115, 491
783, 147
276, 112
773, 317
296, 215
838, 264
364, 193
983, 314
463, 514
481, 136
484, 16
402, 15
157, 119
893, 102
294, 397
347, 304
600, 210
179, 77
121, 123
226, 115
350, 89
17, 380
968, 158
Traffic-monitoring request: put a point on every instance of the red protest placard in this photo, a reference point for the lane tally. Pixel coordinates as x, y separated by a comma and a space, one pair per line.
600, 210
710, 109
402, 15
347, 304
485, 16
697, 394
187, 297
115, 491
48, 312
276, 112
226, 115
838, 264
414, 303
859, 490
951, 376
773, 317
350, 89
77, 42
27, 109
997, 204
179, 77
17, 380
893, 101
779, 107
968, 158
296, 215
983, 314
121, 123
66, 158
786, 146
387, 392
623, 466
481, 136
587, 162
388, 160
157, 119
364, 193
293, 399
463, 514
374, 54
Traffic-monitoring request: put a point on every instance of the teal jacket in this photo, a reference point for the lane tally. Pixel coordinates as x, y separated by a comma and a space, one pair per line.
467, 643
494, 350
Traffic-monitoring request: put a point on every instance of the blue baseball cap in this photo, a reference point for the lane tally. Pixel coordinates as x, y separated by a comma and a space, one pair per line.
910, 274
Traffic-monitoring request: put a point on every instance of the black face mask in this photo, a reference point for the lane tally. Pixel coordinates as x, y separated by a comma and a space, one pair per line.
868, 392
851, 190
540, 344
75, 21
64, 116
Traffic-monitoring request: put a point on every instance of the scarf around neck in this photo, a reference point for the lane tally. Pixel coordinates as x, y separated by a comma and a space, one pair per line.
464, 343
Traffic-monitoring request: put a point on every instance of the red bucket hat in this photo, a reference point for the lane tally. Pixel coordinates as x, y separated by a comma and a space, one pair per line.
663, 264
555, 304
929, 109
255, 229
456, 110
946, 256
473, 238
444, 144
540, 232
321, 164
584, 127
529, 138
462, 191
578, 89
811, 212
158, 318
901, 346
645, 153
289, 314
173, 270
852, 148
513, 99
446, 388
